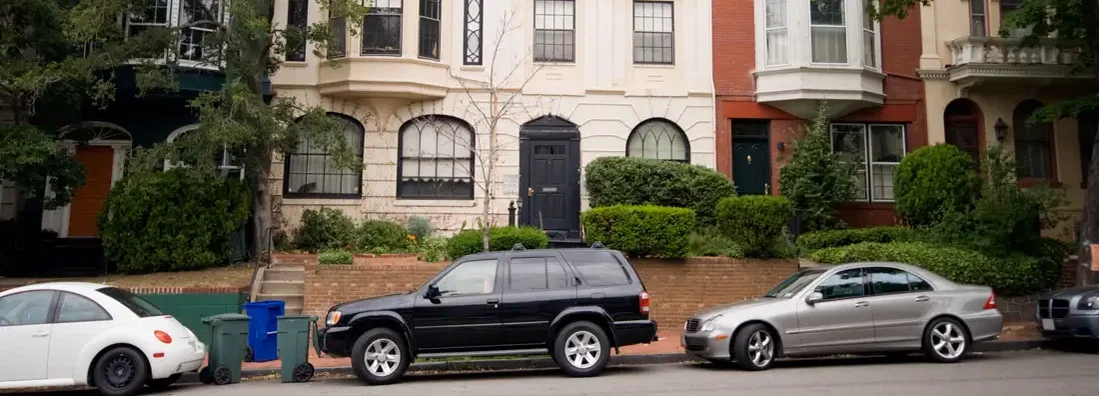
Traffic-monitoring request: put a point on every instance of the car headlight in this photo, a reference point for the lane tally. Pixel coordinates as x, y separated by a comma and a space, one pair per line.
710, 324
1089, 303
333, 318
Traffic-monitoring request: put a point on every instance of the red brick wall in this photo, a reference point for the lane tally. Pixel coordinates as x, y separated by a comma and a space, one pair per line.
678, 288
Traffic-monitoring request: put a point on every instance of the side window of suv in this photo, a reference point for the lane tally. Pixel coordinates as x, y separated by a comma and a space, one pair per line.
469, 278
536, 273
598, 267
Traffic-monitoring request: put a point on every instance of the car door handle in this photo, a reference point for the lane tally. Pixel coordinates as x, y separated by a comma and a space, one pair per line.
40, 335
495, 302
923, 298
861, 304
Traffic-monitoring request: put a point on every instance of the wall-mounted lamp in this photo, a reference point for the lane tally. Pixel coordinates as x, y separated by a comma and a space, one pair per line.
1001, 129
781, 146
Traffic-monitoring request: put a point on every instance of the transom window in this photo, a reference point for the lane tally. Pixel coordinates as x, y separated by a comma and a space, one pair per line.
828, 24
430, 15
879, 158
474, 19
311, 172
1033, 143
436, 159
778, 36
653, 32
554, 30
382, 27
297, 15
658, 138
193, 40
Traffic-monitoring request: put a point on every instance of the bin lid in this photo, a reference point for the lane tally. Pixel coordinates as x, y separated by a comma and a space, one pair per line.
311, 318
265, 304
225, 317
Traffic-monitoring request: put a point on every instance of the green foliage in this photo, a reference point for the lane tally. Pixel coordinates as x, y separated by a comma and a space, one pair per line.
431, 249
335, 257
322, 229
641, 231
756, 222
1012, 275
172, 221
816, 178
834, 238
644, 181
710, 242
381, 236
420, 227
28, 156
469, 242
933, 181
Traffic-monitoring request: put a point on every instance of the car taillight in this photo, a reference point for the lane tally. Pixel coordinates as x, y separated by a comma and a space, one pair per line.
163, 337
643, 300
991, 302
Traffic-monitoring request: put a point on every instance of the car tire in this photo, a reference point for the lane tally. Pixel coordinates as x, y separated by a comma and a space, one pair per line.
754, 347
380, 357
945, 340
121, 371
164, 383
582, 349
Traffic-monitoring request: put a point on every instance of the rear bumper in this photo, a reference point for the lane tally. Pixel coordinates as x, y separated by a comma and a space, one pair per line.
985, 325
334, 341
633, 332
1072, 326
181, 357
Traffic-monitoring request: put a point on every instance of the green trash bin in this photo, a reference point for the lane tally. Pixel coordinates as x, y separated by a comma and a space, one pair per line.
228, 344
293, 343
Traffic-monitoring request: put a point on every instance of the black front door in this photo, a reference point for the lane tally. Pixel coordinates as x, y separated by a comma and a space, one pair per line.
549, 181
751, 157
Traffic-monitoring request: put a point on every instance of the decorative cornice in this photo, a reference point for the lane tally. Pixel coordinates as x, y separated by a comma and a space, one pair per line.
933, 74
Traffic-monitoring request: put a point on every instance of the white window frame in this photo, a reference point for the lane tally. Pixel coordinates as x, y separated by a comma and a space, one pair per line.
640, 29
203, 29
868, 164
224, 168
846, 34
175, 9
870, 32
785, 28
167, 17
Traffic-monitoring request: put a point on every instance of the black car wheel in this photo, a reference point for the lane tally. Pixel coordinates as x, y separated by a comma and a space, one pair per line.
754, 347
945, 341
206, 375
380, 357
164, 383
121, 371
582, 349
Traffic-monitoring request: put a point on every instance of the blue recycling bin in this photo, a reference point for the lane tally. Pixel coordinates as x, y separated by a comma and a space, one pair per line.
263, 329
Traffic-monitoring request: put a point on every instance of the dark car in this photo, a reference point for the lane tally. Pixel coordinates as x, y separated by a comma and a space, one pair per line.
573, 304
1070, 314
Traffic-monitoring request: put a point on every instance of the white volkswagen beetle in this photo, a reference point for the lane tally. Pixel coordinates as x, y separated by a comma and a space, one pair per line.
66, 334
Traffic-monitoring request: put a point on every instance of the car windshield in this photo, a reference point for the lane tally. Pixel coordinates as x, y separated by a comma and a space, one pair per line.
792, 285
138, 305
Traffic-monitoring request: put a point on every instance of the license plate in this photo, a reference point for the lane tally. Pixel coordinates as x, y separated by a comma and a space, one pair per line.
1047, 324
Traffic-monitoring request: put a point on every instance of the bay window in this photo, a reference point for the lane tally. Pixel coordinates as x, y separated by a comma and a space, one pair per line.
778, 35
869, 41
879, 149
382, 28
430, 17
193, 44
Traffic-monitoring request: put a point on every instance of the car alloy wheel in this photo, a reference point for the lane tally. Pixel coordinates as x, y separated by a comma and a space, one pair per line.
582, 349
754, 347
761, 349
382, 357
948, 340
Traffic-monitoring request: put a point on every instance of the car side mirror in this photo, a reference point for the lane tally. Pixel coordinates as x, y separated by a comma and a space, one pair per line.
432, 292
814, 297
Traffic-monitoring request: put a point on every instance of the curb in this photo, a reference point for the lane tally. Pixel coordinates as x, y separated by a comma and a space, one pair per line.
547, 363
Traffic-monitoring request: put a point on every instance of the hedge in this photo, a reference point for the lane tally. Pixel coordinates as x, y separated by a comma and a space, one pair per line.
1010, 275
933, 181
335, 257
614, 181
756, 222
500, 238
322, 229
381, 236
641, 231
834, 238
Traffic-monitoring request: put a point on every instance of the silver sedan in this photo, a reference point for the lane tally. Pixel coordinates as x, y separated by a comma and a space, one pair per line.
856, 308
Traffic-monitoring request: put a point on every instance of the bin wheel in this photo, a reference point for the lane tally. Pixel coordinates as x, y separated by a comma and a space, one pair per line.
206, 376
222, 375
249, 354
303, 372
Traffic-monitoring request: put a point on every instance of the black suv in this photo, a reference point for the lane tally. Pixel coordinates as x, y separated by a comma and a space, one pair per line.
573, 304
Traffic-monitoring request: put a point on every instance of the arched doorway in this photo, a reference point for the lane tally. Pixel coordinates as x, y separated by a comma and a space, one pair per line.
101, 148
549, 176
962, 121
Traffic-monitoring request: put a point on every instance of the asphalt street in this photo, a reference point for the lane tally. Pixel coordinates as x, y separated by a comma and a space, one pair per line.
1003, 374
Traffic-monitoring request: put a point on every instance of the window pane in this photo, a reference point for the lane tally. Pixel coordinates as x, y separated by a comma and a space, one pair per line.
653, 37
473, 32
436, 159
27, 308
311, 170
869, 50
842, 285
776, 13
381, 34
850, 139
528, 274
658, 139
888, 280
777, 44
297, 15
918, 284
553, 30
76, 308
430, 11
139, 306
471, 277
558, 279
827, 12
829, 44
598, 268
887, 143
862, 192
883, 181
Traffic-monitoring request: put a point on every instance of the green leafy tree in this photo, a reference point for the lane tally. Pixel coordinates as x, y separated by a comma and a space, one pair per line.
816, 178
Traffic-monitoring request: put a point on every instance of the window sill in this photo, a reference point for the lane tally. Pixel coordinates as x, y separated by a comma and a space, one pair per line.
1028, 182
413, 202
555, 63
654, 65
295, 64
472, 68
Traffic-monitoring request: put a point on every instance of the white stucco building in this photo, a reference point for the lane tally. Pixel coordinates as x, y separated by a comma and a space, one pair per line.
590, 78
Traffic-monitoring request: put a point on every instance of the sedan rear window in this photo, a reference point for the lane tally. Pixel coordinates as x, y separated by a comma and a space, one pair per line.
138, 305
598, 268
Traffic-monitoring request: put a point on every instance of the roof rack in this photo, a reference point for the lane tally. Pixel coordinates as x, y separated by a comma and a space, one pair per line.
597, 245
518, 246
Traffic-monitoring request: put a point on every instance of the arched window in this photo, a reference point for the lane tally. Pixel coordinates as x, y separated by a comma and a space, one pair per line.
658, 138
310, 173
436, 159
226, 164
1033, 143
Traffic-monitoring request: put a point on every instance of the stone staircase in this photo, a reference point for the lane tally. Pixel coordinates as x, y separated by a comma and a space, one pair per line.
283, 281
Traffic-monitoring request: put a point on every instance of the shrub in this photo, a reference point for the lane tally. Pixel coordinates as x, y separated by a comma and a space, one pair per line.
177, 220
933, 181
335, 257
431, 249
420, 227
710, 242
1012, 275
645, 181
834, 238
381, 236
756, 222
817, 178
641, 231
500, 238
324, 229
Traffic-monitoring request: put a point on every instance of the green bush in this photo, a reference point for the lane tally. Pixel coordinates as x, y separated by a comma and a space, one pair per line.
834, 238
641, 231
500, 238
710, 242
324, 229
817, 178
756, 222
381, 236
431, 249
420, 227
933, 181
335, 257
614, 181
171, 221
1011, 275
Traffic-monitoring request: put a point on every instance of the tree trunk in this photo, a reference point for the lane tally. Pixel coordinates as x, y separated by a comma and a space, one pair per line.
261, 210
1088, 221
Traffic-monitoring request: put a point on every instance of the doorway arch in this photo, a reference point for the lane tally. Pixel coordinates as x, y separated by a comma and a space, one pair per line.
964, 127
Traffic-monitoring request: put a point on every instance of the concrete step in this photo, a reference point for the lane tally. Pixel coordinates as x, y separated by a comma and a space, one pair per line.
288, 298
282, 287
284, 274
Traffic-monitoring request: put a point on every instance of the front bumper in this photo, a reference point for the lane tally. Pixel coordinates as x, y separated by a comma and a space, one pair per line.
1072, 326
334, 341
711, 345
182, 356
